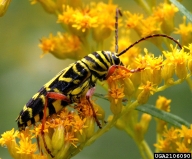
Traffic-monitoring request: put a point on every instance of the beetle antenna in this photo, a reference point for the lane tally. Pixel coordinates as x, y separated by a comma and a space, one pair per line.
118, 12
148, 37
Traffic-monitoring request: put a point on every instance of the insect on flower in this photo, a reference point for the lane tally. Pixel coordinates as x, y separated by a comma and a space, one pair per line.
74, 82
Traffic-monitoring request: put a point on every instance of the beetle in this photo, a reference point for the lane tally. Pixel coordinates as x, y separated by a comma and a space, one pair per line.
76, 81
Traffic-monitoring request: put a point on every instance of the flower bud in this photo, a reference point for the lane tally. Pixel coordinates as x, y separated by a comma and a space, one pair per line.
167, 71
156, 77
90, 130
58, 138
147, 90
116, 106
143, 97
64, 150
129, 87
100, 112
80, 135
146, 75
100, 34
181, 70
47, 142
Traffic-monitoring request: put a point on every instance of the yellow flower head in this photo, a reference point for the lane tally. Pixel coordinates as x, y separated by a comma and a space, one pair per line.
105, 20
165, 13
62, 46
150, 26
81, 19
186, 134
84, 20
66, 16
115, 97
146, 90
8, 137
185, 31
177, 58
26, 146
175, 140
163, 103
133, 20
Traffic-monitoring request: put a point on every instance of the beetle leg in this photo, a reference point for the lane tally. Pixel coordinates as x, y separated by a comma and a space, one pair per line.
114, 67
89, 94
56, 96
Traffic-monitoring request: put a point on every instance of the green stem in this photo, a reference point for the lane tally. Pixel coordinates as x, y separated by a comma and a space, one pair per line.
179, 81
103, 130
147, 149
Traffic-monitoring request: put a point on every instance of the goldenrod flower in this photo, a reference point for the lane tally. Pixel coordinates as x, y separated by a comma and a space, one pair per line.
105, 20
189, 65
115, 96
175, 140
62, 46
8, 136
26, 146
8, 140
178, 58
146, 90
162, 103
185, 30
182, 148
168, 142
186, 134
133, 21
87, 28
82, 20
64, 131
165, 13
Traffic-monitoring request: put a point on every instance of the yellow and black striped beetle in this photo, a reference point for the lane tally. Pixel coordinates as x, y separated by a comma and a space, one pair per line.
75, 81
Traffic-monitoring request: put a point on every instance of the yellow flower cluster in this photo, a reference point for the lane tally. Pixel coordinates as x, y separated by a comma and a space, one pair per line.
61, 46
63, 136
82, 22
176, 140
152, 71
68, 132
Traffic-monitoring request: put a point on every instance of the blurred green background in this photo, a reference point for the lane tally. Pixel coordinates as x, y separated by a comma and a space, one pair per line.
23, 72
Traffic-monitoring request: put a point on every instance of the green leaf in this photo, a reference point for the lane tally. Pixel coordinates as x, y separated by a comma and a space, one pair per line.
152, 110
168, 117
182, 9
